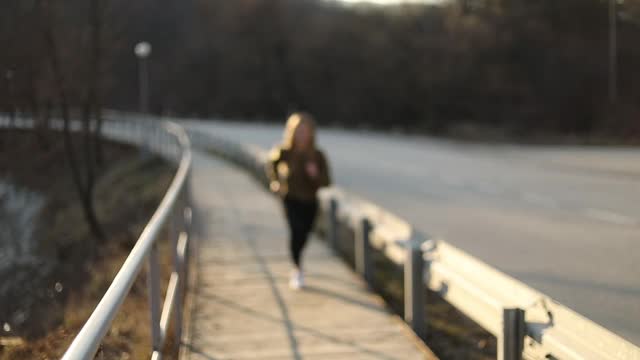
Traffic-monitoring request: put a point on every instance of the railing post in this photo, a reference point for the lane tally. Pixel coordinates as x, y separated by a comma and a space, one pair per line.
363, 251
173, 226
511, 343
178, 268
188, 218
414, 289
181, 263
153, 284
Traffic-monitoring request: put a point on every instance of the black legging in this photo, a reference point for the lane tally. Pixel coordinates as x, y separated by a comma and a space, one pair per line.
300, 216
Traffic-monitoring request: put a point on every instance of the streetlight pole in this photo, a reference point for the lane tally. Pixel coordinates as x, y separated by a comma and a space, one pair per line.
142, 51
613, 52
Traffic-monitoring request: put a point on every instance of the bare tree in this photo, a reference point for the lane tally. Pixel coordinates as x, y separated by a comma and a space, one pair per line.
94, 99
85, 185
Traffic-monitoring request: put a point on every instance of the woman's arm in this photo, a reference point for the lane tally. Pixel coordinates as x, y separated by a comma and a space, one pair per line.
278, 170
275, 156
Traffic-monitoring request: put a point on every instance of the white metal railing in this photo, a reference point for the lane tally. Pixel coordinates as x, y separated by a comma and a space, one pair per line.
527, 323
171, 142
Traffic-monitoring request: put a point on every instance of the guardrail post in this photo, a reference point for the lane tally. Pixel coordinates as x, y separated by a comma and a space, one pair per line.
414, 300
363, 251
153, 284
333, 224
511, 343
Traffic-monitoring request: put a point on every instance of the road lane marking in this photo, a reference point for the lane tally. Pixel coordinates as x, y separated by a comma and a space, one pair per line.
610, 217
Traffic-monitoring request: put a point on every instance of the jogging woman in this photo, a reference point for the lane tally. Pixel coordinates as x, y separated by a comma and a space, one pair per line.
296, 170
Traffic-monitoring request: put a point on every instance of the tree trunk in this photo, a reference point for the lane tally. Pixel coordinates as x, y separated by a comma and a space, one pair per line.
84, 190
96, 59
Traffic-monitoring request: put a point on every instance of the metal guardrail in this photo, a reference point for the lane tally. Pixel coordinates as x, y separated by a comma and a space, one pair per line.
171, 142
527, 323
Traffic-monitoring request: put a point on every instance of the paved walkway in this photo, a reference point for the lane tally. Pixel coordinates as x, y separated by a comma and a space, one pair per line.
242, 307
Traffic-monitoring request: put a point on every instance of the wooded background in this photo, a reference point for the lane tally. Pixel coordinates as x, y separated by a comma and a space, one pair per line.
523, 67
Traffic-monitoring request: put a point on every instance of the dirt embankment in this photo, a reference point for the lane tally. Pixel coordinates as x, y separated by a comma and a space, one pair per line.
46, 301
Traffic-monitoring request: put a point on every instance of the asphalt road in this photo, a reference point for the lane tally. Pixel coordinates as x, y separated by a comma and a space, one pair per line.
564, 220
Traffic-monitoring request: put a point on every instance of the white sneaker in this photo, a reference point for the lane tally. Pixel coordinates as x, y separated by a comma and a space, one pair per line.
296, 282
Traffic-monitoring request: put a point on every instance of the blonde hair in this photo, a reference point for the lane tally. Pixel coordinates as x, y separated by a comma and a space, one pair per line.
293, 123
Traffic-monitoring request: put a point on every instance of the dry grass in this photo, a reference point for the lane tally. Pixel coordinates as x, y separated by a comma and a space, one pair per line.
127, 194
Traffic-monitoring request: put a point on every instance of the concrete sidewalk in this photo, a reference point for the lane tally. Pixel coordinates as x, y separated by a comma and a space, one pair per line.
242, 307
